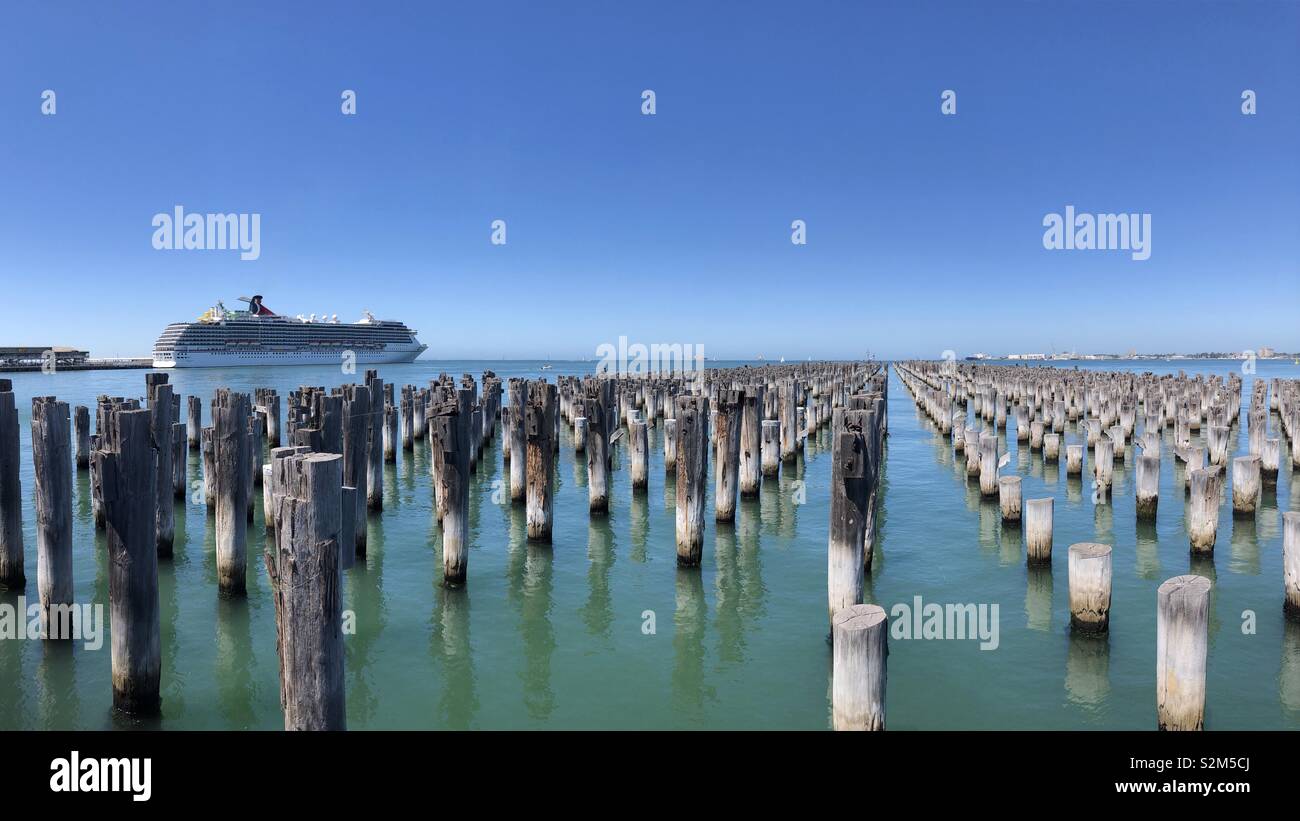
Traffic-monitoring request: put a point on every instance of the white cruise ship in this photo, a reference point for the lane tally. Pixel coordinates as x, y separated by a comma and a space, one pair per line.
257, 336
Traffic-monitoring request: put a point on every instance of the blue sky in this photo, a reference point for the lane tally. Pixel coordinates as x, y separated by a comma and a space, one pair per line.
924, 230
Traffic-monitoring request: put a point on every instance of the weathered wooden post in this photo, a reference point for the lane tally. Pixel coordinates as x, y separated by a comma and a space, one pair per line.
1052, 447
580, 434
81, 432
771, 447
447, 436
52, 458
209, 468
356, 454
517, 441
751, 445
726, 471
11, 494
160, 410
231, 452
389, 434
640, 453
860, 637
1291, 563
692, 476
271, 406
1009, 498
375, 463
1038, 530
539, 421
988, 461
179, 451
791, 442
1074, 460
1182, 644
1148, 486
1103, 464
194, 421
304, 573
1245, 485
597, 456
128, 469
1203, 509
1090, 575
850, 495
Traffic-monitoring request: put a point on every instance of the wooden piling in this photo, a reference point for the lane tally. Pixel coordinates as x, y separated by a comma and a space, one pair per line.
517, 441
580, 434
860, 638
640, 451
231, 453
1038, 530
355, 425
304, 573
194, 421
1291, 564
1148, 486
11, 496
726, 438
1245, 485
1182, 644
1090, 578
850, 494
771, 447
1203, 509
447, 435
52, 462
539, 421
1074, 460
179, 459
128, 469
1009, 498
751, 444
81, 433
597, 456
692, 415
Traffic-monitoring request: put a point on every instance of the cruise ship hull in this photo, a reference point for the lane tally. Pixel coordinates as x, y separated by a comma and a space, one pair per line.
226, 359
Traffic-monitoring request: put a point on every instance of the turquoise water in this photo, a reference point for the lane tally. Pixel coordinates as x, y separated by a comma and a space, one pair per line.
556, 636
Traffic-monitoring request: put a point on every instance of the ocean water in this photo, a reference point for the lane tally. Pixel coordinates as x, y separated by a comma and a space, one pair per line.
601, 629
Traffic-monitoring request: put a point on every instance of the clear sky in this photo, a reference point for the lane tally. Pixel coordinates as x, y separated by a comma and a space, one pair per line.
924, 231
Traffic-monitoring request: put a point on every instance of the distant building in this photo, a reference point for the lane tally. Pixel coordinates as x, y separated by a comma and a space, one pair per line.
1265, 352
29, 357
1026, 356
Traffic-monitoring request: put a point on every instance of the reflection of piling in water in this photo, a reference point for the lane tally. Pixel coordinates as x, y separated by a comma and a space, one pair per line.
1087, 669
1182, 644
1090, 575
860, 635
1038, 597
